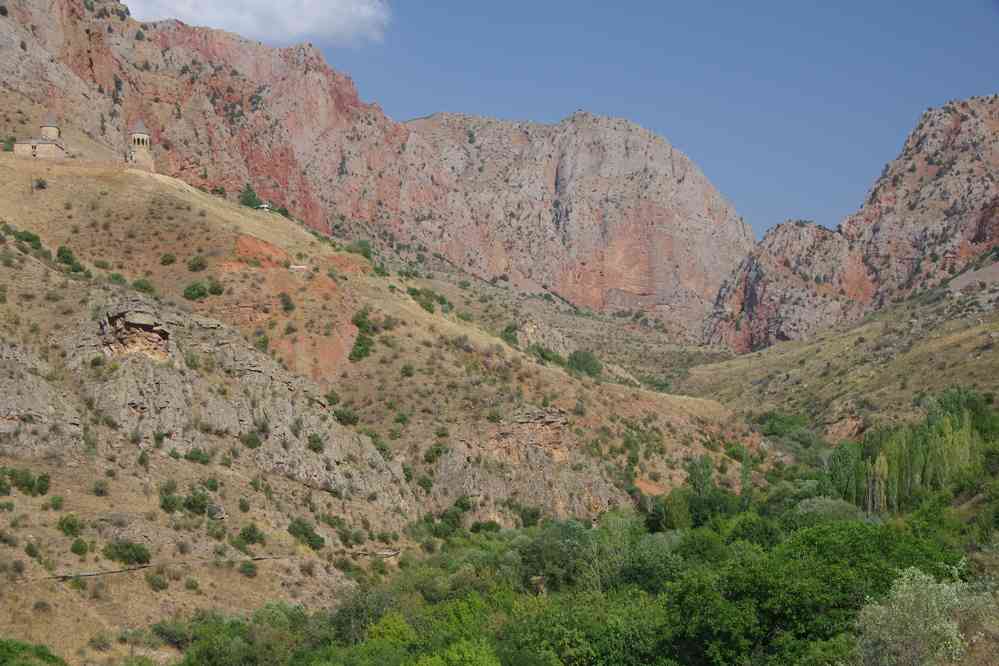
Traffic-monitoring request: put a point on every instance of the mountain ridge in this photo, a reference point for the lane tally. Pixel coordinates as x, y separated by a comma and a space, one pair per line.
225, 111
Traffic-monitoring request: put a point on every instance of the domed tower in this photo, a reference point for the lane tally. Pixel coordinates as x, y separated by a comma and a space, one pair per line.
50, 128
140, 151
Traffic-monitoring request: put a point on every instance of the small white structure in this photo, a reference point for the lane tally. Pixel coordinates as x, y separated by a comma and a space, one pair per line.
140, 143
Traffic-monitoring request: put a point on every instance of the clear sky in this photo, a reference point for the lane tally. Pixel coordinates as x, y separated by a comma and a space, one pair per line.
790, 107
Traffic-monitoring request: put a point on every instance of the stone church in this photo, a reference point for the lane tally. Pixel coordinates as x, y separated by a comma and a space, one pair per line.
48, 145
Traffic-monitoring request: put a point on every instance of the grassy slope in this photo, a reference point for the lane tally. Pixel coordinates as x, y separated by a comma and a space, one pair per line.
126, 222
871, 371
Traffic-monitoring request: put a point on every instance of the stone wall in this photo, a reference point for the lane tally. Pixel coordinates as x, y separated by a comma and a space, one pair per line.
46, 151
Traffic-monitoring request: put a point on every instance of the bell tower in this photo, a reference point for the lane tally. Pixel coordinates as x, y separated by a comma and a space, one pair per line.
140, 151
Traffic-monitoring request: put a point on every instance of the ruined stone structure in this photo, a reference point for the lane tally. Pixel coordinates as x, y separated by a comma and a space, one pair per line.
140, 153
48, 145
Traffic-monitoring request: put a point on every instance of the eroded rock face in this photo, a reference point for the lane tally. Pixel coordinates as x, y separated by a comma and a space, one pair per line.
491, 465
597, 210
36, 416
933, 210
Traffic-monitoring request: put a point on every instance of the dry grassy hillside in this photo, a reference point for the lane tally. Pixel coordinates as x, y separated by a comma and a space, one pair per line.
851, 377
297, 382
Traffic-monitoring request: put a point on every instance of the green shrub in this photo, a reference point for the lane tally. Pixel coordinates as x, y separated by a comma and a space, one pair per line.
248, 197
70, 525
585, 362
251, 440
316, 443
361, 247
64, 255
346, 416
919, 621
79, 547
248, 569
305, 533
197, 263
127, 552
199, 456
168, 259
16, 653
287, 304
509, 335
196, 291
157, 582
363, 344
143, 285
252, 534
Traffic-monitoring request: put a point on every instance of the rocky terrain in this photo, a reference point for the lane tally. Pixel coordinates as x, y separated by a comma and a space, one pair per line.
855, 376
934, 210
182, 369
597, 211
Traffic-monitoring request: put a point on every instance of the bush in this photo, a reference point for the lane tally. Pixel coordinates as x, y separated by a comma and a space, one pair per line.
363, 345
143, 285
918, 623
585, 362
197, 263
509, 335
316, 443
287, 304
198, 455
361, 247
251, 534
168, 260
64, 255
305, 533
16, 653
70, 525
196, 291
248, 197
248, 569
346, 416
79, 547
251, 440
127, 552
157, 582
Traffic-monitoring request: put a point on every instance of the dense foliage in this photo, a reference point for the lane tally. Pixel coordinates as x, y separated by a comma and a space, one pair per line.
805, 571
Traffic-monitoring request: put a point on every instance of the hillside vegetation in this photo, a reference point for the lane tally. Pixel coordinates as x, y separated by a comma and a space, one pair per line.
212, 407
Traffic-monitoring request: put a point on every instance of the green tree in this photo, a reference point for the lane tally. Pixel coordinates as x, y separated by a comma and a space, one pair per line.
248, 197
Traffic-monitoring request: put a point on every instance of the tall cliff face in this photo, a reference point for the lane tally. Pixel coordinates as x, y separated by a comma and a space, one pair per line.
933, 210
599, 211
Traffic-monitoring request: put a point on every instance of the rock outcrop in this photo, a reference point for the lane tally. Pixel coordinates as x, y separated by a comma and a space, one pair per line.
931, 213
596, 210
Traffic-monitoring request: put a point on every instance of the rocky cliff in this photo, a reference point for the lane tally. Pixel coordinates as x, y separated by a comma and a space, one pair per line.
598, 211
933, 210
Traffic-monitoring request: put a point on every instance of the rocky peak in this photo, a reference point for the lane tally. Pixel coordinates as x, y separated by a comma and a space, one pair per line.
933, 210
597, 210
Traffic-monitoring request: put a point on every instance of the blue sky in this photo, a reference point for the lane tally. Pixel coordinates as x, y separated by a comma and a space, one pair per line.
791, 108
